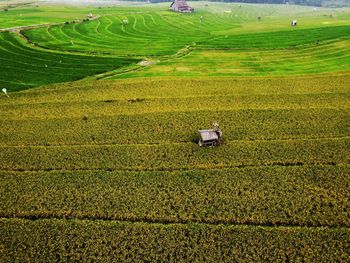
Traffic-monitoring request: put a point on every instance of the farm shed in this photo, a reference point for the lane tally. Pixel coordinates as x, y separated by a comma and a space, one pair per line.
181, 6
210, 137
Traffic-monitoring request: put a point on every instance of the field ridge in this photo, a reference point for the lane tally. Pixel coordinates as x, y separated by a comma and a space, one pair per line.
169, 222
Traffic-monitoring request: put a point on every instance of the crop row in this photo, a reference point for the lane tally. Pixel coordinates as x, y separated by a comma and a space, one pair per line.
176, 155
167, 127
294, 195
131, 106
98, 241
201, 87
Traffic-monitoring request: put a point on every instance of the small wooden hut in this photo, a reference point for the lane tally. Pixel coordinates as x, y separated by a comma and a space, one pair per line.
181, 6
209, 138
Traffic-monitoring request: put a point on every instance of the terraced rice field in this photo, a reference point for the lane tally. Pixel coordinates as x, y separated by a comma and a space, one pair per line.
147, 33
209, 42
32, 67
110, 170
330, 57
22, 13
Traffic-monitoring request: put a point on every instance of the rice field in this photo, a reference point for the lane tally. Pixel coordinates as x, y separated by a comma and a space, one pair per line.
147, 32
24, 67
314, 59
103, 154
99, 154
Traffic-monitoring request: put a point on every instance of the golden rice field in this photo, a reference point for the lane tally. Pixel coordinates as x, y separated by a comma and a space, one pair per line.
99, 154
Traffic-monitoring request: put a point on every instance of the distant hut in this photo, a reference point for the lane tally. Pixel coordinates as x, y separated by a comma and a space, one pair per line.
294, 23
89, 16
181, 6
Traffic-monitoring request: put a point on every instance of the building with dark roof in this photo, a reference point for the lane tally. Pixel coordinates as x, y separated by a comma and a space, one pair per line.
181, 6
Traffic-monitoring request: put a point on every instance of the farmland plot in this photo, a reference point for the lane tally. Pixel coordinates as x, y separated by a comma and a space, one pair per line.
110, 170
23, 67
129, 154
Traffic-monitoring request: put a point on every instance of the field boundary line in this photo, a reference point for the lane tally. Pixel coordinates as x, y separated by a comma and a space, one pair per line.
302, 46
231, 142
138, 80
165, 221
190, 168
185, 97
169, 112
227, 168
